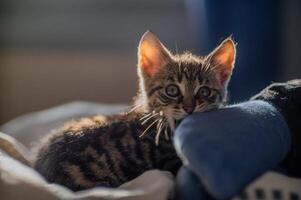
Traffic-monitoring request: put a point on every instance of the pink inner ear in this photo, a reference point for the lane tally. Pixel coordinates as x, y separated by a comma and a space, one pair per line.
147, 66
226, 64
224, 76
151, 58
224, 58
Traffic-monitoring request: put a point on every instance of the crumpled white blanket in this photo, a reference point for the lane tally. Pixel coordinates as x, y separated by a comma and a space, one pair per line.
19, 182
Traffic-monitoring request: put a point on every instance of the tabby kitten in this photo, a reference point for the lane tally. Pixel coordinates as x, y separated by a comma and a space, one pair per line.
111, 150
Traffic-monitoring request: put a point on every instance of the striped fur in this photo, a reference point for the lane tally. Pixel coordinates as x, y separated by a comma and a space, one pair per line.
111, 150
88, 152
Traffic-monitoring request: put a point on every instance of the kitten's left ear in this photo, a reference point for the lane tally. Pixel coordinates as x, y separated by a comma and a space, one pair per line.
222, 60
152, 54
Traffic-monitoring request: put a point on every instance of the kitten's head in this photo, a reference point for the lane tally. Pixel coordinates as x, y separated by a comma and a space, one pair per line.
181, 84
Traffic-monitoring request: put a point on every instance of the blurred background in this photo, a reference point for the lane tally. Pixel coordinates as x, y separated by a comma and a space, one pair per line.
57, 51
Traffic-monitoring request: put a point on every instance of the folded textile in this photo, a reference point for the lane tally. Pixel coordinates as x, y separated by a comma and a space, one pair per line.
189, 186
18, 181
228, 148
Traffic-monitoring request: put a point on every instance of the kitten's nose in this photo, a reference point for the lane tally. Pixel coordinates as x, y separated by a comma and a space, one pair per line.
188, 109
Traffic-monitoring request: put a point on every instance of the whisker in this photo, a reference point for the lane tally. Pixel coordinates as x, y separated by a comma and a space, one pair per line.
146, 120
159, 131
134, 108
149, 127
145, 116
159, 124
166, 132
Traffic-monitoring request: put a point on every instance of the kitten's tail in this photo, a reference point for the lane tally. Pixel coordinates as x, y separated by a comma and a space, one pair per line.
10, 146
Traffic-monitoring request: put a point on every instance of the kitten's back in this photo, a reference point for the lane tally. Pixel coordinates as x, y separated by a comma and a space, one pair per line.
102, 151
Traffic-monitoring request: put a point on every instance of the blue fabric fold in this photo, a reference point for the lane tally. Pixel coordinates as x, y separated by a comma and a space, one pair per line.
228, 148
189, 186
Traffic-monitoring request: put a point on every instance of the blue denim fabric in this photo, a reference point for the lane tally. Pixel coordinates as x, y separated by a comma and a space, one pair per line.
228, 148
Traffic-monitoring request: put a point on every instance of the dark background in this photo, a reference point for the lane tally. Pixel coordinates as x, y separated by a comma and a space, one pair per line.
57, 51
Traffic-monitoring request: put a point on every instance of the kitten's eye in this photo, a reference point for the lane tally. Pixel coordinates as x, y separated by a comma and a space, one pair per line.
204, 92
172, 90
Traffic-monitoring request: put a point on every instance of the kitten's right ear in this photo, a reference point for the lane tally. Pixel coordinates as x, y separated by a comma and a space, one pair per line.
152, 54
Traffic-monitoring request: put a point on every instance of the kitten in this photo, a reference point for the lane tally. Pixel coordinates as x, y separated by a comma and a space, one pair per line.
111, 150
